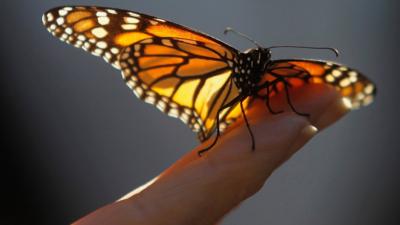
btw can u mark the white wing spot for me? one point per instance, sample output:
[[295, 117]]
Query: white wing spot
[[50, 17], [161, 105], [62, 12], [114, 50], [353, 73], [107, 56], [99, 32], [60, 21], [173, 112], [131, 84], [101, 44], [86, 45], [150, 100], [134, 14], [103, 20], [153, 22], [336, 73], [137, 48], [81, 37], [347, 102], [184, 117], [78, 44], [360, 96], [369, 89], [64, 36], [129, 26], [131, 20], [353, 79], [68, 30], [330, 78], [368, 100], [44, 19], [196, 126], [97, 52], [112, 11], [160, 20], [101, 14], [344, 82]]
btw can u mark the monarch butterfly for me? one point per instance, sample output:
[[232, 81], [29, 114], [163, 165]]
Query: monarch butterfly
[[189, 75]]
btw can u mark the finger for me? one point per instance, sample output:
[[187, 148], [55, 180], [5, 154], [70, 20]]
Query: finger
[[202, 190], [322, 102], [277, 138]]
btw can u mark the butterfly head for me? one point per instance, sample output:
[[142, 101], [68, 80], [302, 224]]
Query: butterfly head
[[257, 59]]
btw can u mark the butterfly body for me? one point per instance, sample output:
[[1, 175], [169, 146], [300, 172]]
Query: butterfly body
[[250, 68], [189, 75]]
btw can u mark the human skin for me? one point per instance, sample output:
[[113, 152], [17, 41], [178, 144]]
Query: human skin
[[201, 190]]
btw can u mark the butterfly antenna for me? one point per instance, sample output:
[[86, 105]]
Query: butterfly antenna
[[230, 29], [334, 50]]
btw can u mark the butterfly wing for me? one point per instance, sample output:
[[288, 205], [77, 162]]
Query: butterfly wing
[[187, 79], [106, 31], [185, 73], [353, 85]]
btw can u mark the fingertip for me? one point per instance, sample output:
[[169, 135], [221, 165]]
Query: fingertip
[[335, 110], [322, 102]]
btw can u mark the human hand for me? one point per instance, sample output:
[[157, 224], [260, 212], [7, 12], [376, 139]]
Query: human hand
[[201, 190]]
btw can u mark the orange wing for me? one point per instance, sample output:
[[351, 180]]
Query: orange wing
[[184, 78], [354, 86], [105, 31], [185, 73]]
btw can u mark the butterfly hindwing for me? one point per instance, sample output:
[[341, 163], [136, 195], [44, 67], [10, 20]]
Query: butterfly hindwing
[[353, 85], [184, 78], [185, 73]]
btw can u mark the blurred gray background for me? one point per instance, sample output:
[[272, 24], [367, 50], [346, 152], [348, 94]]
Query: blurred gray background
[[76, 138]]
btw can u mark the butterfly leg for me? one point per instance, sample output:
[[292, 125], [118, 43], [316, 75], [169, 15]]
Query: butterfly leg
[[253, 142], [267, 86], [267, 102], [230, 104], [200, 152], [290, 102]]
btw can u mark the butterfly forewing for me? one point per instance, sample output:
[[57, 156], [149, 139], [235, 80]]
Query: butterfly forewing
[[105, 31], [186, 75]]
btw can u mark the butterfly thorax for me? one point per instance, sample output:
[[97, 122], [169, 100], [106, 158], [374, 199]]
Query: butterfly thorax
[[250, 68]]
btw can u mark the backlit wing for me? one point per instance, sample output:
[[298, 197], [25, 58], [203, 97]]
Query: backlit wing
[[187, 79], [354, 86], [185, 73], [106, 31]]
